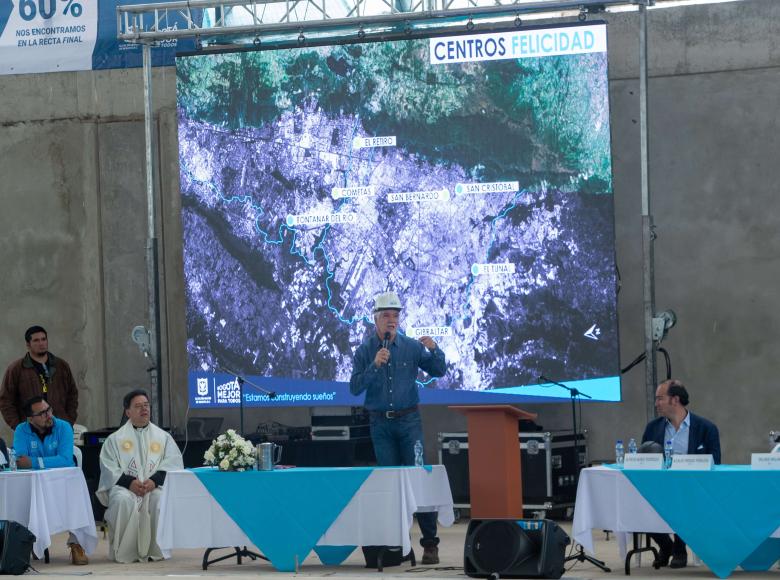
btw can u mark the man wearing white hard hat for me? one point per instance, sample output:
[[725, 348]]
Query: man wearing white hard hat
[[385, 367]]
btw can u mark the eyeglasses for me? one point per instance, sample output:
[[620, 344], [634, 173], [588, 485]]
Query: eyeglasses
[[142, 406], [43, 413]]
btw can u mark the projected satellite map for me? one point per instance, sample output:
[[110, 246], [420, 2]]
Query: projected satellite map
[[314, 178]]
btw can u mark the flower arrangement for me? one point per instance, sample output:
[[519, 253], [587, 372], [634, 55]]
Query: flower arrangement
[[230, 452]]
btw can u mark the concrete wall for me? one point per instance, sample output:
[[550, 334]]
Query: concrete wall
[[73, 227]]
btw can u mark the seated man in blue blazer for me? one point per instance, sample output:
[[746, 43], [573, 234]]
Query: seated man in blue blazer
[[689, 434]]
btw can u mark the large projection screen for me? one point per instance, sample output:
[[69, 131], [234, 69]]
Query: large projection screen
[[470, 173]]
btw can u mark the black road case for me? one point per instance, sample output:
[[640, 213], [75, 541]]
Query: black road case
[[548, 465]]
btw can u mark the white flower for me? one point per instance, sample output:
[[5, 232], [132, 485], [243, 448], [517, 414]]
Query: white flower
[[231, 451]]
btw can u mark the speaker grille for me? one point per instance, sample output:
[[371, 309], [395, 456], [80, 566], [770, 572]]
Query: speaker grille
[[498, 546]]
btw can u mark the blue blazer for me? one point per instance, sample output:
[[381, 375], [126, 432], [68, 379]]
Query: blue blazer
[[703, 436]]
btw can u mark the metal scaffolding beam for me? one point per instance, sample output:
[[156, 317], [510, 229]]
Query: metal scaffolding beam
[[149, 23]]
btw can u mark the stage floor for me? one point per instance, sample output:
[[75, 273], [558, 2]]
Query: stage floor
[[187, 563]]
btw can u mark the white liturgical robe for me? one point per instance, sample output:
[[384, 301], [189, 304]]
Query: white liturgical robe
[[132, 520]]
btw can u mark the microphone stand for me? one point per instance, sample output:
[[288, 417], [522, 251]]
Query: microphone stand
[[580, 556], [241, 380], [153, 378], [243, 552], [573, 393]]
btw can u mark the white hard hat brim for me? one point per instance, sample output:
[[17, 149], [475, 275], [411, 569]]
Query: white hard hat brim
[[398, 308]]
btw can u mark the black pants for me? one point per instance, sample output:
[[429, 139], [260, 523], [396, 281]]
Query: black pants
[[675, 548]]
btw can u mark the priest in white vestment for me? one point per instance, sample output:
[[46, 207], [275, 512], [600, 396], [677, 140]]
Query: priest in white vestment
[[133, 463]]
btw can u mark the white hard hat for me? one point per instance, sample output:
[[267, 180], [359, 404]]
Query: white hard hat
[[387, 301]]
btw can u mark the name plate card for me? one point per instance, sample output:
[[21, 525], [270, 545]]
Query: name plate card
[[693, 462], [643, 461], [765, 461]]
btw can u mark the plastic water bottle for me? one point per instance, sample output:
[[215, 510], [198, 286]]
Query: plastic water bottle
[[668, 452], [418, 454], [12, 459], [632, 446], [620, 452]]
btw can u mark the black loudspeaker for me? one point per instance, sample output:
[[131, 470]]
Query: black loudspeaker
[[514, 549], [16, 544]]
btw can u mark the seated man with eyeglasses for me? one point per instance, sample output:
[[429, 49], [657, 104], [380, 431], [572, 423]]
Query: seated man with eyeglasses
[[134, 461], [43, 442]]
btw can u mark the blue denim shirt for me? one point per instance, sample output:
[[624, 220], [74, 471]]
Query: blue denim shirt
[[56, 449], [679, 438], [393, 386]]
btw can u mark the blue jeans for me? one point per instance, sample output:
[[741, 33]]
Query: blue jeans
[[394, 441]]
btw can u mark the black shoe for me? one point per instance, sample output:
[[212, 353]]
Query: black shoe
[[680, 561], [662, 560]]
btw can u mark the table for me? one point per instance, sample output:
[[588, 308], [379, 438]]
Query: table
[[729, 516], [304, 453], [47, 502], [288, 512]]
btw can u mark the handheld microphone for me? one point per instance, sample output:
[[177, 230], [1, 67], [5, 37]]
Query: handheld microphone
[[386, 341]]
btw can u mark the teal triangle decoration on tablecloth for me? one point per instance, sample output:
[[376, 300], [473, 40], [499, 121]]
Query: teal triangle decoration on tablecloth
[[333, 555], [724, 515], [762, 559], [284, 512]]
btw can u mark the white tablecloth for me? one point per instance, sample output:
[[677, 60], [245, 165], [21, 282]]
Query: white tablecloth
[[48, 502], [380, 513], [607, 500]]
